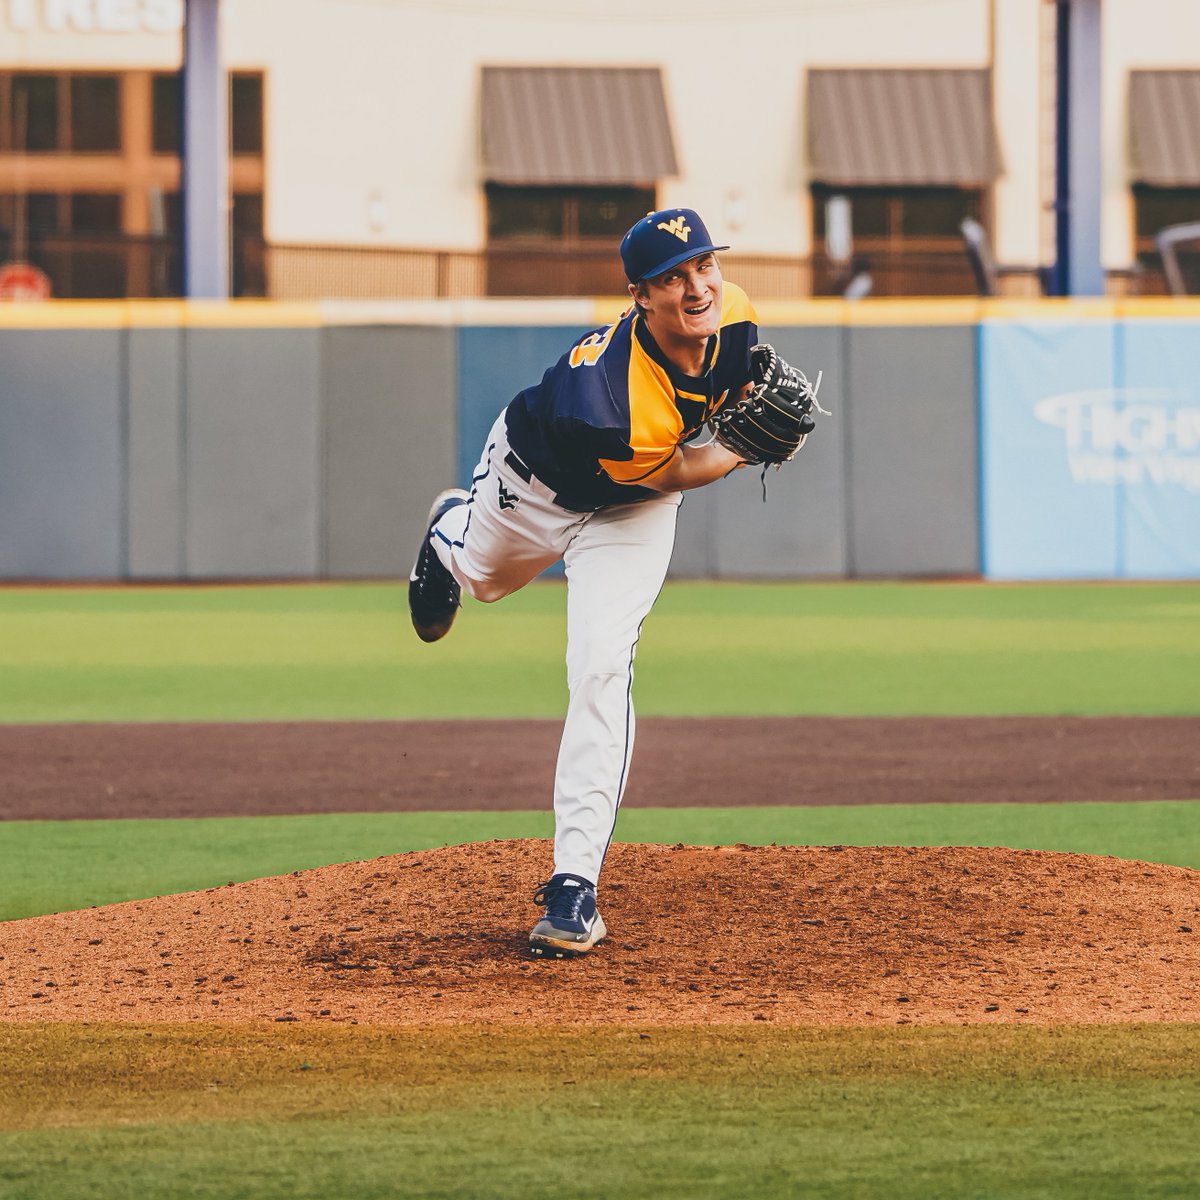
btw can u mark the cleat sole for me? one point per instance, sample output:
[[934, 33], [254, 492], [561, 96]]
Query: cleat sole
[[541, 946], [541, 950]]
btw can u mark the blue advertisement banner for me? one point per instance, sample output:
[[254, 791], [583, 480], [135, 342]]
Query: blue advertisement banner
[[1089, 449], [1155, 424], [1041, 516]]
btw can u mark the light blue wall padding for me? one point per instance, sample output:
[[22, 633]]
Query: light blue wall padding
[[1044, 516], [1154, 422], [494, 364]]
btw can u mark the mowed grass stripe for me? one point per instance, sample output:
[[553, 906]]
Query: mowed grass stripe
[[346, 651], [109, 1112], [54, 866]]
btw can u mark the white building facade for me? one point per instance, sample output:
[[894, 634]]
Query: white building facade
[[362, 126]]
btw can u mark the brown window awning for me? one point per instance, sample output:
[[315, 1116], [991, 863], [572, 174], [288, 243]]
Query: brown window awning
[[575, 125], [1164, 127], [901, 128]]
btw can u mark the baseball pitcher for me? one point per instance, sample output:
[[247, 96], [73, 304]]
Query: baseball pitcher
[[589, 466]]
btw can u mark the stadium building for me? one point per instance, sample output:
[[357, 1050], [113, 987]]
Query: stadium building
[[427, 148]]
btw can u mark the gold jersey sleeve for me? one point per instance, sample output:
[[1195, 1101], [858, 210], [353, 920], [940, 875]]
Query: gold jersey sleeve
[[657, 402]]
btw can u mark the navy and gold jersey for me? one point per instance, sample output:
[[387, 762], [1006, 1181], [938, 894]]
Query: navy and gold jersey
[[612, 410]]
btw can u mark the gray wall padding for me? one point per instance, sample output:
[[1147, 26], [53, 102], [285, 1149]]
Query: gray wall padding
[[61, 454], [154, 499], [695, 538], [252, 447], [912, 451], [307, 452], [727, 530], [390, 443], [800, 529]]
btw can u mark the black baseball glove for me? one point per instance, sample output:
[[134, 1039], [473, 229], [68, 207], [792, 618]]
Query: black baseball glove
[[771, 422]]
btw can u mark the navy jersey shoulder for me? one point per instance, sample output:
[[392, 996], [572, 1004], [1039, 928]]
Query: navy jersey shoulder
[[612, 409]]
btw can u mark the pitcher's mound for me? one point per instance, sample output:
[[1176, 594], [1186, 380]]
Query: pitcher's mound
[[792, 935]]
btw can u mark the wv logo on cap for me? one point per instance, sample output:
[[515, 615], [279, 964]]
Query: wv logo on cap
[[677, 226]]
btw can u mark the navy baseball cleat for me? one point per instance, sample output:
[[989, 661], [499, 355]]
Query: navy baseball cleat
[[571, 924], [433, 593]]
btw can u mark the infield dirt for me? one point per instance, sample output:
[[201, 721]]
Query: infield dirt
[[208, 770], [784, 935]]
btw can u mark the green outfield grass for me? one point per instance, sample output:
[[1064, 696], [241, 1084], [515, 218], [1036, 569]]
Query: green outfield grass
[[123, 1113], [346, 651], [53, 866], [99, 1112]]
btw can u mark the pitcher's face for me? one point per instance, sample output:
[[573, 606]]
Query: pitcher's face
[[684, 303]]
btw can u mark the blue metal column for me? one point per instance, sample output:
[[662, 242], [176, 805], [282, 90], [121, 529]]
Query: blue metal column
[[205, 155], [1077, 271]]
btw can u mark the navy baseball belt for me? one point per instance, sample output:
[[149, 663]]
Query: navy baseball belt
[[526, 473], [520, 469]]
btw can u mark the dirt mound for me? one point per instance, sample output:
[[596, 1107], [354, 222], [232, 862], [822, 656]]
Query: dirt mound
[[793, 935]]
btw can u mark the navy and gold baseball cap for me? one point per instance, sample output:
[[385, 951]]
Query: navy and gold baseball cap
[[662, 240]]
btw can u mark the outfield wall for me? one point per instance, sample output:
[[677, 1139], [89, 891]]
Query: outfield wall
[[173, 440]]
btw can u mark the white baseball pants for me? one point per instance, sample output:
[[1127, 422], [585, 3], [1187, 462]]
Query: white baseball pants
[[616, 560]]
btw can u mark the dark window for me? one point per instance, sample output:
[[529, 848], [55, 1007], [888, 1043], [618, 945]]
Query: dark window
[[906, 241], [608, 212], [63, 113], [246, 114], [246, 243], [41, 212], [559, 241], [247, 217], [869, 214], [95, 212], [564, 214], [515, 212], [95, 113], [166, 107], [900, 214], [247, 274], [936, 212], [33, 113], [37, 211], [1156, 208], [44, 212], [172, 210]]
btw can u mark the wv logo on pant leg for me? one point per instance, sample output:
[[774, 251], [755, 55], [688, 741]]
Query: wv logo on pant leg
[[508, 500]]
